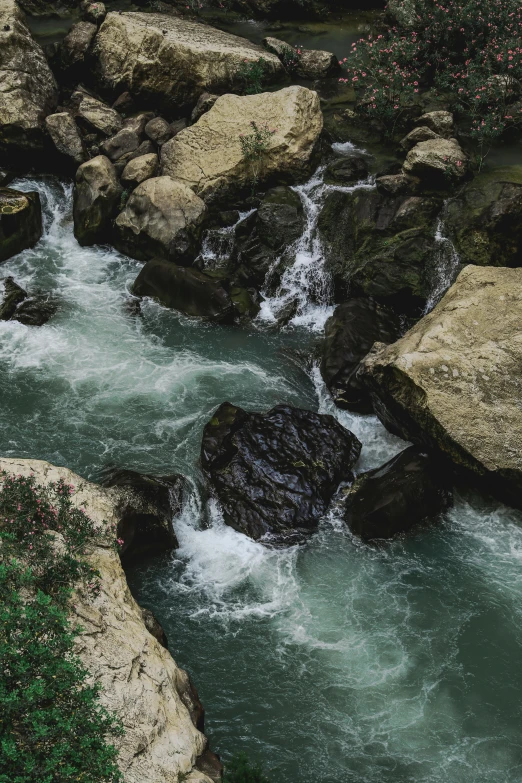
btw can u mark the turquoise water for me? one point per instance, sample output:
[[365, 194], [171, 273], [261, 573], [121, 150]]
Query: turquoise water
[[333, 662]]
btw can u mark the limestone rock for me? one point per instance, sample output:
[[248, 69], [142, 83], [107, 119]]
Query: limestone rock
[[20, 221], [436, 161], [66, 137], [93, 12], [145, 148], [422, 133], [411, 488], [275, 473], [162, 219], [208, 156], [120, 144], [139, 679], [440, 122], [96, 196], [453, 382], [205, 102], [28, 91], [308, 63], [165, 58], [158, 130], [95, 115], [140, 169], [75, 47]]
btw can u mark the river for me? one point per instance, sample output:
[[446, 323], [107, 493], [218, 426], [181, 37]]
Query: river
[[332, 662]]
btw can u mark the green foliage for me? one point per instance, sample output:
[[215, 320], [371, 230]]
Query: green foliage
[[468, 51], [290, 57], [252, 74], [124, 197], [52, 727], [254, 147], [240, 770]]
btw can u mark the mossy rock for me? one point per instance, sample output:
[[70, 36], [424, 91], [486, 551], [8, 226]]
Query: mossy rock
[[20, 221]]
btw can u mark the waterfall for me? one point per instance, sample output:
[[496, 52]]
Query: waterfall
[[445, 264]]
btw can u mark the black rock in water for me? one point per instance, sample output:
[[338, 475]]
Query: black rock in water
[[18, 305], [275, 473], [411, 488], [349, 334]]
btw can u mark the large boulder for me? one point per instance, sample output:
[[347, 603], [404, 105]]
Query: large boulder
[[162, 219], [438, 162], [349, 335], [20, 221], [170, 60], [96, 197], [453, 382], [485, 221], [380, 245], [275, 473], [208, 156], [185, 289], [28, 91], [410, 488]]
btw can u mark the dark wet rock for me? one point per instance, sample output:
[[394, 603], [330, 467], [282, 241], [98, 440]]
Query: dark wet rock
[[205, 102], [96, 198], [162, 219], [263, 238], [190, 698], [346, 171], [120, 144], [349, 334], [485, 221], [177, 126], [185, 289], [158, 130], [124, 104], [6, 177], [18, 305], [210, 765], [154, 627], [13, 296], [146, 506], [275, 473], [380, 246], [411, 488], [66, 137], [398, 185], [20, 221], [75, 49]]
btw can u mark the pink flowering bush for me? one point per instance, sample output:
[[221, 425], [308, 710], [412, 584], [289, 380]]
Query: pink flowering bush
[[470, 51]]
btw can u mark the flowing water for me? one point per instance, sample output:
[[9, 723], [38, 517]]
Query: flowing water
[[331, 662]]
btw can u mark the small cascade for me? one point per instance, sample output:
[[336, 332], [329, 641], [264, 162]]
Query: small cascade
[[445, 265], [305, 290], [218, 244]]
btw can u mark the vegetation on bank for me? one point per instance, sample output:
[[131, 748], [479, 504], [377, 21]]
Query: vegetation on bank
[[467, 51], [240, 770], [52, 727]]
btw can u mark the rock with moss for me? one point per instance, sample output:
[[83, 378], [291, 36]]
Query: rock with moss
[[453, 383], [485, 221], [97, 195], [20, 221]]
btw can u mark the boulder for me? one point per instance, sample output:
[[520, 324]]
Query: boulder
[[422, 133], [275, 473], [75, 48], [162, 219], [94, 115], [440, 122], [28, 91], [437, 162], [96, 197], [185, 289], [120, 144], [13, 296], [93, 12], [145, 507], [380, 246], [145, 148], [205, 102], [346, 170], [453, 381], [306, 63], [140, 169], [158, 130], [409, 489], [20, 221], [138, 122], [208, 156], [349, 335], [398, 184], [66, 137], [170, 60], [485, 221], [17, 305]]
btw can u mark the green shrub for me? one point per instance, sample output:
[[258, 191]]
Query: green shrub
[[52, 727], [252, 74], [240, 770], [254, 147]]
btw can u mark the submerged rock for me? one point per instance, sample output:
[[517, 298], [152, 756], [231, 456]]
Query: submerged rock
[[187, 290], [453, 382], [20, 221], [162, 219], [349, 334], [96, 197], [275, 473], [208, 156], [145, 507], [28, 91], [410, 488], [171, 60]]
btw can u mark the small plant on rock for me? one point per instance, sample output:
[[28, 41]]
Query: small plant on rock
[[240, 770], [254, 147], [252, 74]]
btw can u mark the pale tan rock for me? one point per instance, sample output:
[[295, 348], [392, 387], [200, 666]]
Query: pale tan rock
[[96, 115], [66, 138], [422, 133], [95, 200], [140, 169], [441, 122], [172, 58], [208, 156], [140, 681], [436, 159], [453, 381], [28, 91]]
